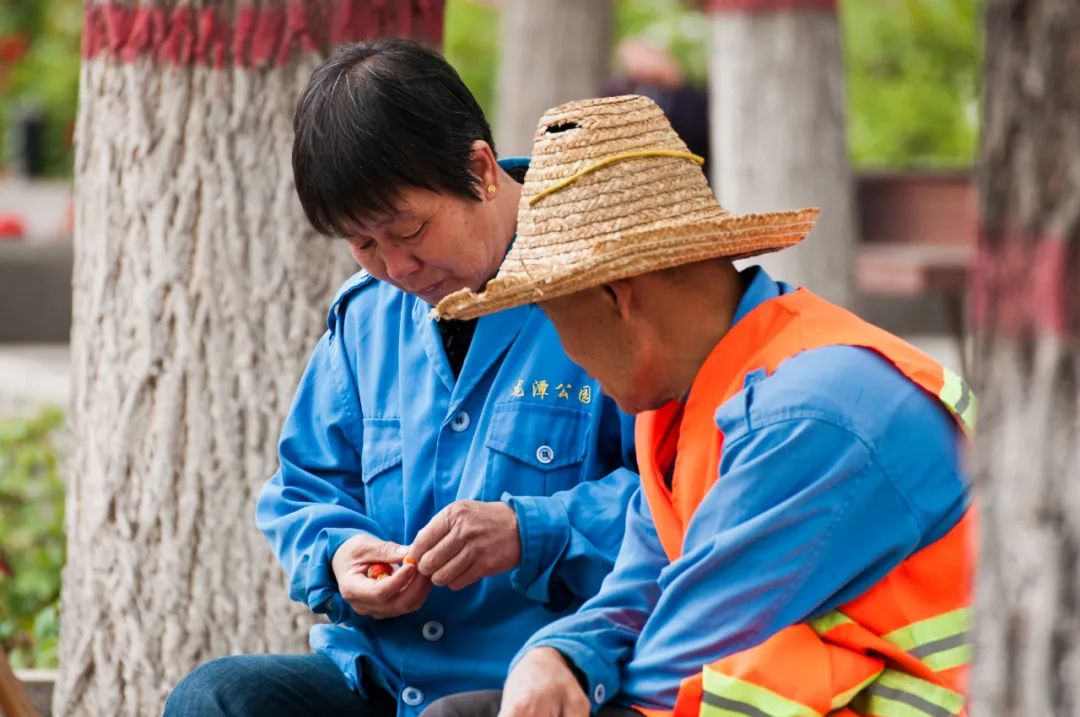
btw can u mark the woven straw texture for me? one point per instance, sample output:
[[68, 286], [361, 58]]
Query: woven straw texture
[[626, 217]]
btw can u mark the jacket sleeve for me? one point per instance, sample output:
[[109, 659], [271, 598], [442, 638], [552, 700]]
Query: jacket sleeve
[[599, 638], [801, 518], [314, 502], [569, 540]]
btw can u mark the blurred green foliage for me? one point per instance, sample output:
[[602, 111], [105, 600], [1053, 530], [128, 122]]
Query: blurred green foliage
[[32, 542], [670, 25], [39, 69], [912, 69], [471, 44], [913, 77]]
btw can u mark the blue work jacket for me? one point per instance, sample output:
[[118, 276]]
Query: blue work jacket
[[381, 437]]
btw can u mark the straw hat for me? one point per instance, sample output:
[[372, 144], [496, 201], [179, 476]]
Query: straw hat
[[612, 192]]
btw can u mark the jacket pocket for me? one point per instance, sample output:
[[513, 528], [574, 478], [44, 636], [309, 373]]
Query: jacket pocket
[[535, 449], [380, 464]]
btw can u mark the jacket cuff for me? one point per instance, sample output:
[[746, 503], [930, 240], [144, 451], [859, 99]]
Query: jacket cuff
[[322, 591], [544, 530], [602, 677]]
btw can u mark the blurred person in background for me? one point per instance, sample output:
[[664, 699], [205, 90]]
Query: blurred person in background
[[647, 70]]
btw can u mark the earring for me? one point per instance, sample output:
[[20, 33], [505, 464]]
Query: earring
[[492, 189]]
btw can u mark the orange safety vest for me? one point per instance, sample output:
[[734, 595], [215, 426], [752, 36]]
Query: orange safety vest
[[899, 650]]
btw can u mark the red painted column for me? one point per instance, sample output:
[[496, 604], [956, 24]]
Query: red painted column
[[1024, 285], [254, 36]]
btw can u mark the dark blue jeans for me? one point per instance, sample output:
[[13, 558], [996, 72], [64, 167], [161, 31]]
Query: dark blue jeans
[[274, 686]]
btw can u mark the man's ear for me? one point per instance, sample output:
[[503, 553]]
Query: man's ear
[[486, 169], [621, 293]]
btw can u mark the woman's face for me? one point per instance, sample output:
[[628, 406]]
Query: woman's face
[[431, 243]]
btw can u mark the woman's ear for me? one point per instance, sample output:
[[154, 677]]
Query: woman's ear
[[486, 169]]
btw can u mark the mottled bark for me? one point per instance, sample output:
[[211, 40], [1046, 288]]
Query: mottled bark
[[1026, 318], [552, 52], [777, 107], [199, 290]]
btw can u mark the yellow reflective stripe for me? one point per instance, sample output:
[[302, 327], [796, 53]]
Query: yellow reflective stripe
[[896, 694], [949, 659], [725, 696], [842, 699], [708, 710], [942, 642], [829, 621], [958, 396]]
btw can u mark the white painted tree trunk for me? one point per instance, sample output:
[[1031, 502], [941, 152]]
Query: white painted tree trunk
[[1026, 320], [199, 291], [552, 52], [777, 114]]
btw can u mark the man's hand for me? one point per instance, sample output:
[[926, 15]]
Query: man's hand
[[467, 541], [403, 592], [542, 685]]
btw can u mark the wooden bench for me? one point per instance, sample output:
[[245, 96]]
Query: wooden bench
[[918, 232], [918, 237]]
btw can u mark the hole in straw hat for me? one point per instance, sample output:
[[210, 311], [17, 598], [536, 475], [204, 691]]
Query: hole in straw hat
[[561, 127]]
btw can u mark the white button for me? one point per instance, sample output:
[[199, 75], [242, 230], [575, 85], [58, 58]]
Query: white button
[[432, 631], [599, 694], [412, 696], [459, 422], [545, 455]]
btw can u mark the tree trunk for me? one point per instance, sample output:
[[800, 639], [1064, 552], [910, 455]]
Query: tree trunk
[[552, 52], [777, 106], [199, 291], [1026, 319]]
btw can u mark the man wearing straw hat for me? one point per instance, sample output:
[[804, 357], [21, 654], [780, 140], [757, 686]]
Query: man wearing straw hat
[[802, 540]]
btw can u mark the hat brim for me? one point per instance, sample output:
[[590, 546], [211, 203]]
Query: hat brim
[[633, 254]]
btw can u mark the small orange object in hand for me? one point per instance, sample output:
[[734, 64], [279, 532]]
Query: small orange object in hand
[[378, 571], [409, 560]]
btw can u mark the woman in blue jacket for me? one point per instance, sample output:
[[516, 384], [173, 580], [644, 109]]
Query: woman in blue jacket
[[476, 449]]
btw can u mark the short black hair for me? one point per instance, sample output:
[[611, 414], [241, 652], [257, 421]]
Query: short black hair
[[377, 118]]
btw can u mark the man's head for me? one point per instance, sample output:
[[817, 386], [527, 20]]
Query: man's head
[[622, 243], [393, 153], [643, 338]]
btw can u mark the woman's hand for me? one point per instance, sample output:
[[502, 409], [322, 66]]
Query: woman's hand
[[467, 541], [402, 592]]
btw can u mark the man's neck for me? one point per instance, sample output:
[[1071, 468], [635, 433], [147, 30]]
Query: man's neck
[[701, 311]]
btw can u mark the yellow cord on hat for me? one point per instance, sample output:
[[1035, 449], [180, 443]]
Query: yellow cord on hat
[[563, 183]]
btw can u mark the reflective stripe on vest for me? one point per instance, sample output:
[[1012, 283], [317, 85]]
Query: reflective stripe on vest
[[895, 694], [889, 693], [958, 397], [942, 642], [725, 696]]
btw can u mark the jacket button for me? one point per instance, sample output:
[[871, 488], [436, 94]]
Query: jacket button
[[599, 694], [545, 455], [432, 631], [412, 696], [459, 422]]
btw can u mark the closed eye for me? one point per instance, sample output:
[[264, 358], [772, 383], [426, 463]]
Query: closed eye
[[416, 233], [363, 244]]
